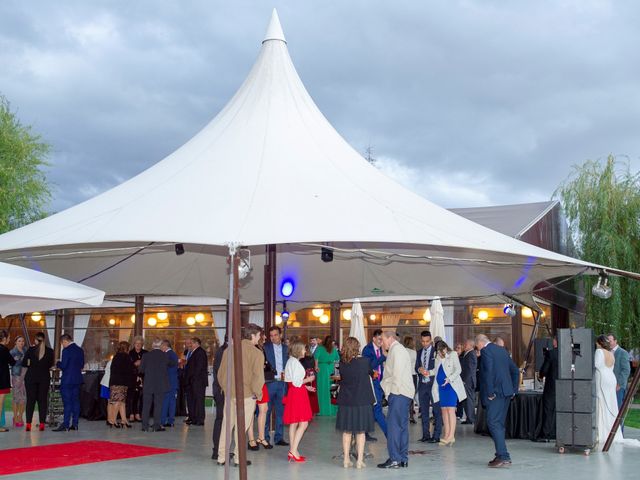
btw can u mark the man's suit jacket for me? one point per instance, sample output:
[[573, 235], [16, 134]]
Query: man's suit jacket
[[549, 371], [498, 374], [197, 368], [217, 360], [71, 364], [622, 367], [155, 367], [271, 355], [431, 363], [469, 363], [369, 352]]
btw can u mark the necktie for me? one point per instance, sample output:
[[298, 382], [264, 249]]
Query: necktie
[[379, 367]]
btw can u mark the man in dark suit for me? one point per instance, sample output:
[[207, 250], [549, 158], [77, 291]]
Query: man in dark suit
[[469, 364], [373, 351], [71, 364], [168, 416], [549, 372], [425, 368], [197, 379], [218, 399], [499, 379], [155, 366], [277, 355]]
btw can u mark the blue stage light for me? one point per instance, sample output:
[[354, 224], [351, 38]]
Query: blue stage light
[[287, 288]]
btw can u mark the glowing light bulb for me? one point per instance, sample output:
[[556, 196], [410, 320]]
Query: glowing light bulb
[[426, 316], [346, 314], [278, 319], [324, 319], [112, 321], [317, 312], [191, 321], [372, 317], [152, 322], [526, 312], [36, 316], [162, 316], [483, 315], [199, 317]]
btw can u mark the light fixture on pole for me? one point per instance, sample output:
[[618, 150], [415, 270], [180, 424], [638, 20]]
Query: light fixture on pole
[[244, 265], [509, 310], [285, 312], [602, 288]]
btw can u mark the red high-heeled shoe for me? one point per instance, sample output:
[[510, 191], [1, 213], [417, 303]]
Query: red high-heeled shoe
[[292, 458], [28, 429], [41, 427]]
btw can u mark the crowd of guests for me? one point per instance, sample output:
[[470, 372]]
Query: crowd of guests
[[291, 382]]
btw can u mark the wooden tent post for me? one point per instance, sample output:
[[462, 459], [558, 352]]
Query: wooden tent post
[[631, 391]]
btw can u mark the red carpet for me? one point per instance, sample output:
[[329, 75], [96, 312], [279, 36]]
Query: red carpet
[[29, 459]]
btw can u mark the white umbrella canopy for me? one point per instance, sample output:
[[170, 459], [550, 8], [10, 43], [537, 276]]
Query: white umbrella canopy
[[357, 324], [269, 169], [23, 290], [437, 319]]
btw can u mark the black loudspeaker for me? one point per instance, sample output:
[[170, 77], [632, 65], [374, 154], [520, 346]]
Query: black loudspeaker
[[584, 392], [578, 429], [575, 347], [326, 254], [540, 344]]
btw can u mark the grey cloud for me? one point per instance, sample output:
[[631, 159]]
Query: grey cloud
[[499, 98]]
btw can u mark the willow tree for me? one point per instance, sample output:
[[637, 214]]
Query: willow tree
[[601, 200], [24, 191]]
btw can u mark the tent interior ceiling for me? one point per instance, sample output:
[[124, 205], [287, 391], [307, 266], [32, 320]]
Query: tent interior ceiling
[[282, 176]]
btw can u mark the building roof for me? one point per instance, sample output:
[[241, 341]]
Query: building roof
[[511, 220]]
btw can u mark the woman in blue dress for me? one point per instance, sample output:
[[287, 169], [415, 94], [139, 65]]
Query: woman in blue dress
[[448, 389]]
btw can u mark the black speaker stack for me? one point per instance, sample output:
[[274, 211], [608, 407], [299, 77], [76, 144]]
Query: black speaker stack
[[575, 390]]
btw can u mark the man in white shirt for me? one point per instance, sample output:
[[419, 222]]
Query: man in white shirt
[[399, 388]]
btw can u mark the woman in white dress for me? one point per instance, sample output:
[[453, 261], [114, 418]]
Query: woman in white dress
[[606, 402]]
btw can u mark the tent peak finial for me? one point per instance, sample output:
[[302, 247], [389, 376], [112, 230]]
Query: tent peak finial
[[274, 31]]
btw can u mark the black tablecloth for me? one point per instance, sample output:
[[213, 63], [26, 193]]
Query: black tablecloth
[[524, 419], [92, 407]]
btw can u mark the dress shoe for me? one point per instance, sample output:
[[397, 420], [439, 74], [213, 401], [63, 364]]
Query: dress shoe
[[466, 422], [412, 420], [159, 429], [498, 463], [404, 464], [73, 427], [198, 424], [433, 440], [237, 464], [41, 427], [424, 439], [282, 443], [28, 428], [389, 464], [370, 438], [188, 421], [214, 455], [168, 425], [254, 447], [61, 428]]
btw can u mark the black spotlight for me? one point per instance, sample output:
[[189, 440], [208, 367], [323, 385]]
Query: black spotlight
[[179, 248], [326, 254]]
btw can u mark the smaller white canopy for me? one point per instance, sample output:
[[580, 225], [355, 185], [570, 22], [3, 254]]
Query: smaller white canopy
[[437, 320], [357, 324], [23, 290]]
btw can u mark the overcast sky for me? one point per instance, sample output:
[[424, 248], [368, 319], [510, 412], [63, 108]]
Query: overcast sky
[[468, 103]]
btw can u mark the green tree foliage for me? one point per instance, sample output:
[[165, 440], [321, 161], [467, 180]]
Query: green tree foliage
[[601, 200], [24, 191]]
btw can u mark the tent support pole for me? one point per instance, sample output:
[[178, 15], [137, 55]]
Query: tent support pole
[[57, 332], [25, 329], [139, 316], [335, 322], [269, 287], [236, 345]]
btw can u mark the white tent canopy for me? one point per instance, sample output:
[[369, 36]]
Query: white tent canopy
[[23, 290], [270, 169]]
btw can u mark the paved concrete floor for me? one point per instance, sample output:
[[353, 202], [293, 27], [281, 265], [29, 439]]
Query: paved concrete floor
[[467, 459]]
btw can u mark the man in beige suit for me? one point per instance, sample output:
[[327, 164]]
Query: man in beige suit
[[253, 380], [399, 388]]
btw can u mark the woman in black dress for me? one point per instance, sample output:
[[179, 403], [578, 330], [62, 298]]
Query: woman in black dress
[[122, 378], [38, 361], [355, 400], [6, 362]]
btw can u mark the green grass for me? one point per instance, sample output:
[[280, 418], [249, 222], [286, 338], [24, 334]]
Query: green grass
[[633, 418]]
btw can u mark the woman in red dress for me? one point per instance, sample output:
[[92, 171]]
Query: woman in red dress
[[297, 410]]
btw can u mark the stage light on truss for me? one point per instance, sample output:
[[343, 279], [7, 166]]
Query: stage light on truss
[[602, 288], [509, 310]]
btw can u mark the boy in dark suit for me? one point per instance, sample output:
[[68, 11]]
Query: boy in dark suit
[[71, 364], [499, 380], [425, 368]]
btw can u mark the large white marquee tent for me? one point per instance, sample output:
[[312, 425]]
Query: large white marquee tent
[[270, 169]]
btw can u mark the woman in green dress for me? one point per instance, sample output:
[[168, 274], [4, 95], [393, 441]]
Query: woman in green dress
[[326, 356]]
